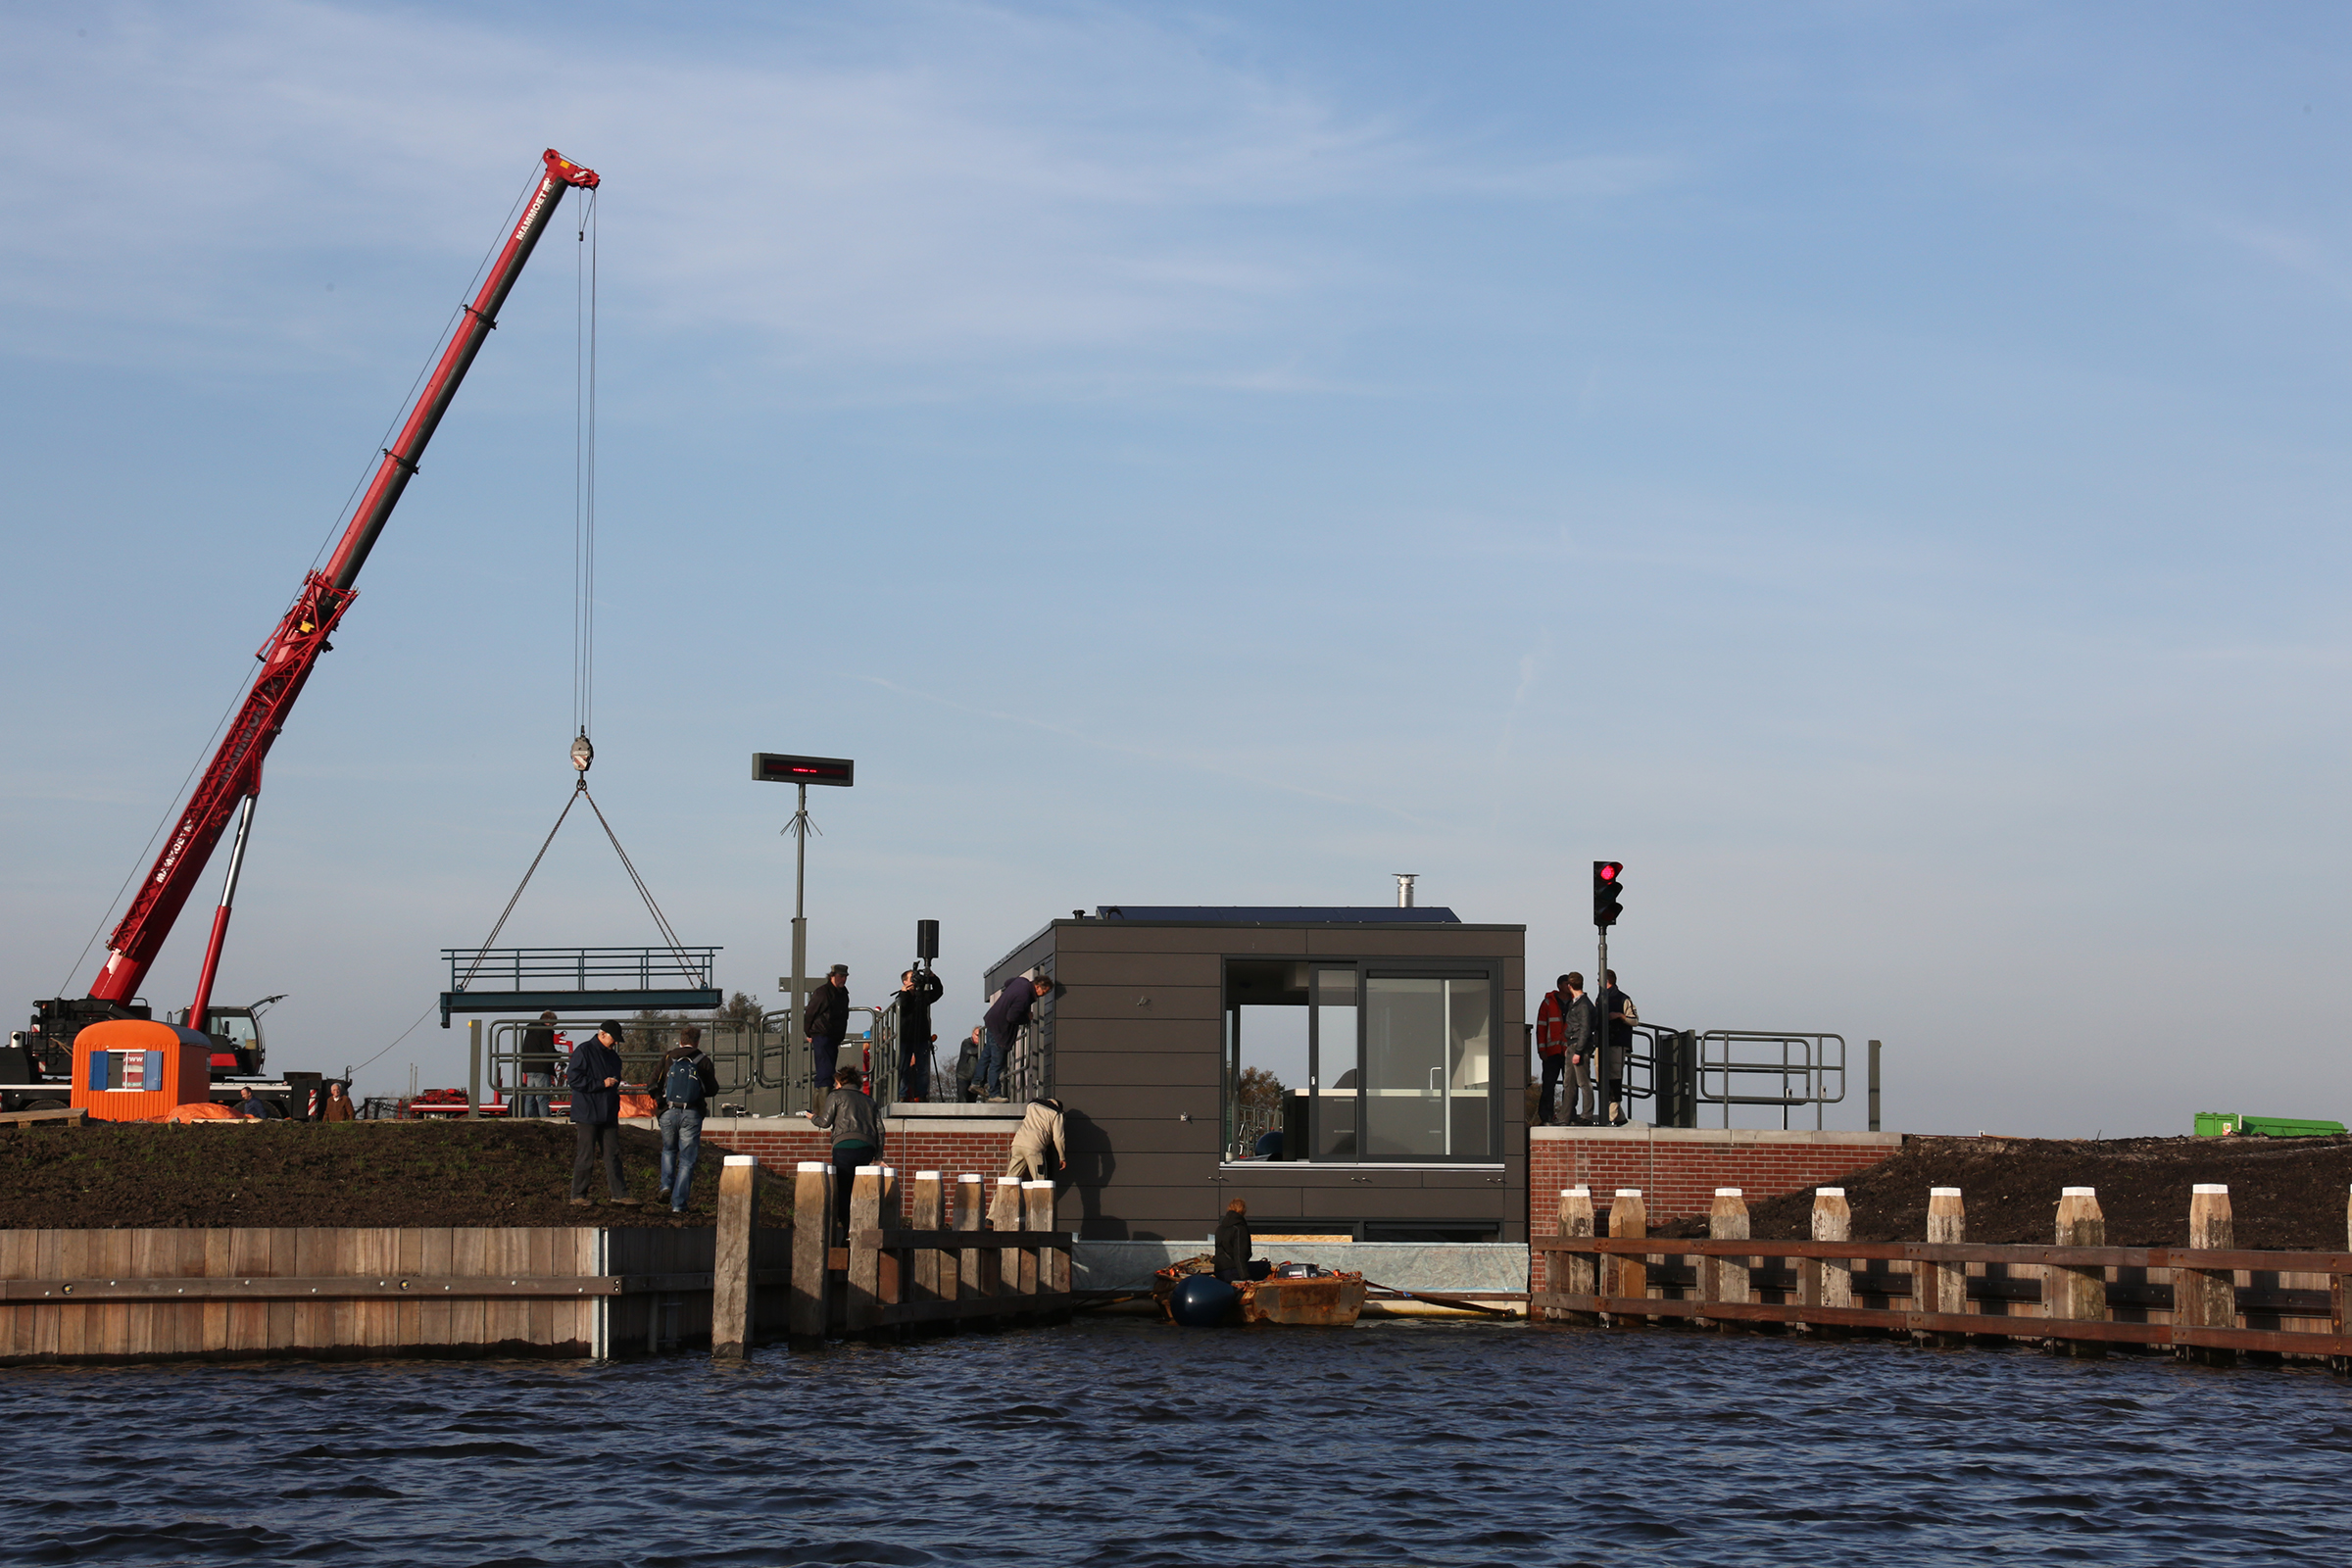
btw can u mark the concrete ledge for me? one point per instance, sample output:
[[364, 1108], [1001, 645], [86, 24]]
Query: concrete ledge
[[1720, 1137], [1408, 1265], [997, 1123]]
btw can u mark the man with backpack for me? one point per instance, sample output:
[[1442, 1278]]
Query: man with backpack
[[683, 1086]]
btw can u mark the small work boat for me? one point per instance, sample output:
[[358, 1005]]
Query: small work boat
[[1324, 1299]]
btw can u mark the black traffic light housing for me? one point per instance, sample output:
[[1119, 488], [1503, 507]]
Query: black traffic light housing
[[1608, 886]]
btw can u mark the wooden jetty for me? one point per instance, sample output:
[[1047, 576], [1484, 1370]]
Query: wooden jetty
[[2208, 1302], [338, 1292]]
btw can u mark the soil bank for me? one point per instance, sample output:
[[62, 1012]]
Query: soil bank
[[117, 1175], [2286, 1194]]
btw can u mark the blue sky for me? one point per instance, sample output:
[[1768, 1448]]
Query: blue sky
[[1875, 470]]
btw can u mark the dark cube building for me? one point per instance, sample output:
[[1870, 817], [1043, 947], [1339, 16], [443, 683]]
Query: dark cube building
[[1352, 1072]]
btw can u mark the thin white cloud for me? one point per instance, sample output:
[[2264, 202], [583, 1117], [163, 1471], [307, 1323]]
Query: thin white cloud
[[945, 180]]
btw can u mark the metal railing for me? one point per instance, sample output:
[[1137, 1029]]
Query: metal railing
[[1684, 1070], [573, 968], [1809, 1069]]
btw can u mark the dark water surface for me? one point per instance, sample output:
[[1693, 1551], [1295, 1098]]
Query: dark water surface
[[1129, 1443]]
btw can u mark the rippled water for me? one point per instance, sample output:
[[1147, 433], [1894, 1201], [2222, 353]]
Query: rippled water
[[1125, 1441]]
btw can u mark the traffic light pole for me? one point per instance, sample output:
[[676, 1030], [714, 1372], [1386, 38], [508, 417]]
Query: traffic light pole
[[1604, 1059]]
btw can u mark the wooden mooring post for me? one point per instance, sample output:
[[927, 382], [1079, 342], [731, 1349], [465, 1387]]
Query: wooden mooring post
[[1726, 1279], [930, 1214], [1629, 1218], [969, 1215], [2207, 1298], [1828, 1281], [1943, 1287], [812, 1219], [732, 1288], [2078, 1293], [1576, 1224]]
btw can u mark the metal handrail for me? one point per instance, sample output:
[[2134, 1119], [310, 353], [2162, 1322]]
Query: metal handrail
[[640, 967], [1806, 1060]]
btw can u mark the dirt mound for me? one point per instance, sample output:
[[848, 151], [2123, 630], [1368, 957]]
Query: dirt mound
[[2286, 1194], [117, 1175]]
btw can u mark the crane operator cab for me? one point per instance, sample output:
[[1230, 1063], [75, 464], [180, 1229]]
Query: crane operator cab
[[237, 1048]]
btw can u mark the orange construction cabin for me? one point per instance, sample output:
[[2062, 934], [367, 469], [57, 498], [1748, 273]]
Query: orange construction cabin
[[136, 1070]]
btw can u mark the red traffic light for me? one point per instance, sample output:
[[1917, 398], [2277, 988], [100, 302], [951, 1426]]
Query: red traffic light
[[1608, 888]]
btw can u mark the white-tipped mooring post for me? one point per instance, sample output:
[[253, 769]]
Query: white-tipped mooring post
[[999, 1276], [1827, 1282], [1037, 1262], [2078, 1294], [865, 1313], [731, 1288], [2206, 1298], [1629, 1216], [1726, 1279], [930, 1214], [968, 1188], [811, 1223], [1577, 1274], [1942, 1287]]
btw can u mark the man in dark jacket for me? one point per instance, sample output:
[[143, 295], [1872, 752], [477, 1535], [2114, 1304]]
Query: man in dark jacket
[[683, 1085], [538, 1063], [918, 989], [851, 1115], [1005, 1016], [1565, 1040], [594, 1079], [1235, 1244], [1618, 1017], [825, 1020]]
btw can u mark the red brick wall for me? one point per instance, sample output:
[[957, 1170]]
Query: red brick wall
[[951, 1146], [1679, 1169]]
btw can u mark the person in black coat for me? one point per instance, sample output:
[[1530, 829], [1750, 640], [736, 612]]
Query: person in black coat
[[918, 989], [825, 1020], [1233, 1244], [594, 1079]]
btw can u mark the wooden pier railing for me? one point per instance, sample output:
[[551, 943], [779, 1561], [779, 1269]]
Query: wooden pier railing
[[2207, 1301], [954, 1263]]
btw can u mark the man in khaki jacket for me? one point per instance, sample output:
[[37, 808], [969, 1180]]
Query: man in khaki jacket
[[1041, 1129]]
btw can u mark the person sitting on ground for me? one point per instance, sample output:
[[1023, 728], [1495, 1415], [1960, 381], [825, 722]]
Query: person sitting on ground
[[1041, 1129], [682, 1085], [594, 1079], [253, 1104], [856, 1122], [338, 1105], [1233, 1244]]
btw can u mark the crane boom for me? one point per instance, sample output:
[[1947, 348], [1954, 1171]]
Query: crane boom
[[293, 648]]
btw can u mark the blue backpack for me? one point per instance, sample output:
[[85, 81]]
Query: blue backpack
[[683, 1086]]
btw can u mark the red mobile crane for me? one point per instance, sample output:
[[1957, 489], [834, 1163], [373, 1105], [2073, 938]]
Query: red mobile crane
[[233, 779]]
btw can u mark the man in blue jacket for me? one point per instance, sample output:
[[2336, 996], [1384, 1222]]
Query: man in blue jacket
[[594, 1079], [1005, 1016]]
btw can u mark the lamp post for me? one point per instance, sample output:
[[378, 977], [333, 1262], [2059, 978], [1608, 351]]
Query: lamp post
[[775, 768]]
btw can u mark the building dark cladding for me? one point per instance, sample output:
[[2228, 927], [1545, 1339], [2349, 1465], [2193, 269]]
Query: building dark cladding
[[1397, 1037]]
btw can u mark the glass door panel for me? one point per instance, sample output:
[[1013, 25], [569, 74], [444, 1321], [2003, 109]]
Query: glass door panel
[[1335, 1072], [1404, 1076], [1469, 1068]]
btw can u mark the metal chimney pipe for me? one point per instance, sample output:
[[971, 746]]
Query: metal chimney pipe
[[1405, 888]]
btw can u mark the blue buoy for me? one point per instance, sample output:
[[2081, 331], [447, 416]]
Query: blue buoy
[[1202, 1302]]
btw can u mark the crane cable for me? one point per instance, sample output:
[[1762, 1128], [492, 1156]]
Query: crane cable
[[583, 609]]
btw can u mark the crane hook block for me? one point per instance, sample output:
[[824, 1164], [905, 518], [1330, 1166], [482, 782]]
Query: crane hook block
[[582, 754]]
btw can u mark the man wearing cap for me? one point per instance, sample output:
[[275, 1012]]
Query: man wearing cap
[[594, 1079], [825, 1021]]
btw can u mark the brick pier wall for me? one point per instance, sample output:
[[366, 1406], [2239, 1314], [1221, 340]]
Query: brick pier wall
[[938, 1139], [1679, 1168]]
